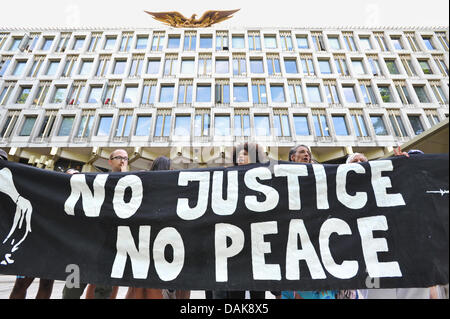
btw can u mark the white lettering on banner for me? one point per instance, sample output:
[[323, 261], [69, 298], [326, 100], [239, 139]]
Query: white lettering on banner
[[126, 210], [222, 251], [380, 184], [292, 172], [271, 194], [168, 270], [92, 202], [371, 246], [321, 186], [219, 205], [261, 270], [346, 270], [183, 210], [357, 201]]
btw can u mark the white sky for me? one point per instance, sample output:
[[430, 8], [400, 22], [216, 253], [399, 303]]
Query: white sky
[[253, 13]]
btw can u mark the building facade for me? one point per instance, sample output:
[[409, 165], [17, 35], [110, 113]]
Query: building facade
[[68, 97]]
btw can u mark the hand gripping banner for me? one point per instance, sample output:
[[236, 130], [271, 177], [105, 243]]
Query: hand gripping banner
[[274, 226]]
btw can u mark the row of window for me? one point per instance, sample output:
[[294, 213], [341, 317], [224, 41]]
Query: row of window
[[200, 125], [239, 65], [185, 92], [223, 41]]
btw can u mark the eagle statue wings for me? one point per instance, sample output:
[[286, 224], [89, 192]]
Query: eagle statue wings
[[177, 20]]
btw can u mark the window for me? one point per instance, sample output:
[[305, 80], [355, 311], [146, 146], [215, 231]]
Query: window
[[421, 93], [5, 92], [188, 66], [222, 93], [239, 65], [334, 42], [52, 68], [341, 65], [110, 43], [15, 44], [125, 44], [47, 44], [277, 93], [349, 41], [291, 66], [439, 35], [95, 40], [256, 66], [367, 93], [23, 95], [262, 125], [307, 65], [438, 92], [222, 66], [174, 42], [317, 39], [302, 42], [143, 125], [320, 124], [86, 66], [254, 41], [69, 66], [130, 95], [182, 125], [301, 125], [407, 64], [397, 123], [27, 126], [340, 125], [314, 95], [141, 42], [273, 65], [240, 93], [358, 67], [281, 124], [190, 41], [410, 36], [296, 93], [428, 42], [85, 128], [349, 93], [426, 69], [270, 42], [439, 61], [378, 125], [204, 65], [359, 124], [379, 37], [123, 128], [386, 94], [202, 124], [4, 63], [66, 125], [238, 42], [158, 41], [95, 95], [153, 66], [185, 93], [286, 41], [203, 93], [41, 93], [78, 43], [112, 93], [403, 93], [259, 92], [104, 125], [222, 125], [76, 93], [241, 123], [365, 43], [47, 125], [397, 43], [102, 67], [136, 66], [432, 116], [375, 66], [205, 41], [162, 127], [166, 94], [324, 66], [36, 67], [332, 94], [148, 93], [3, 37], [416, 124], [59, 94], [9, 125], [170, 65], [392, 67], [19, 68], [119, 66]]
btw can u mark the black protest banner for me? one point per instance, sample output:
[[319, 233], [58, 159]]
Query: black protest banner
[[277, 226]]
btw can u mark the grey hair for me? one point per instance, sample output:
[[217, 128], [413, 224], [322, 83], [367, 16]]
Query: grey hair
[[352, 156]]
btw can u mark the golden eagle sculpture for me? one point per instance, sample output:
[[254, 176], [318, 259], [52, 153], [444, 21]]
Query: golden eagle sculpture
[[177, 20]]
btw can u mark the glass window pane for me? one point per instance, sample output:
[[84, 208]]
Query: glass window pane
[[205, 42], [385, 93], [334, 43], [270, 42], [324, 66], [166, 94], [222, 66], [301, 125], [240, 93], [238, 42], [302, 42], [378, 125], [95, 95], [358, 67], [130, 94], [141, 42], [340, 126], [314, 94], [421, 94], [174, 42], [277, 92], [256, 66], [104, 126], [204, 93], [20, 68], [416, 124], [222, 125], [119, 67], [66, 126], [59, 95], [153, 66], [349, 93], [27, 126], [365, 43], [262, 126], [182, 125], [290, 66]]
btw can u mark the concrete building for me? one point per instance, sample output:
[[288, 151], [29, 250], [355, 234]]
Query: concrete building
[[68, 97]]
